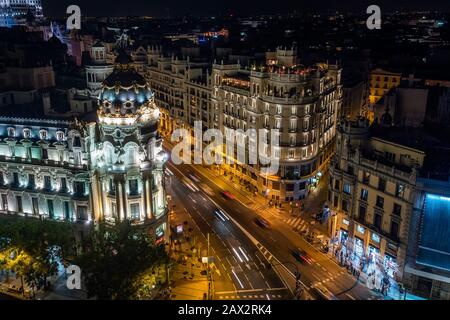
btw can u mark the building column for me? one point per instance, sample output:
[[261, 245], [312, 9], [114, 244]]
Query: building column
[[124, 200], [150, 195], [144, 192], [118, 201]]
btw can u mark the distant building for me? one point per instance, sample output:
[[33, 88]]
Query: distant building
[[381, 81], [14, 12]]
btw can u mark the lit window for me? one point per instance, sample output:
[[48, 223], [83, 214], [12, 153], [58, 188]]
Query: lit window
[[347, 188]]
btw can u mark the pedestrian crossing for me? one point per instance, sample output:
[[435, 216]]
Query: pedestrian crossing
[[267, 296], [298, 224]]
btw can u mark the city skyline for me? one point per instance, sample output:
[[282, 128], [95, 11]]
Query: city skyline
[[164, 9]]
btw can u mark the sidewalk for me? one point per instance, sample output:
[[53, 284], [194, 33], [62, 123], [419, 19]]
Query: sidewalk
[[188, 279]]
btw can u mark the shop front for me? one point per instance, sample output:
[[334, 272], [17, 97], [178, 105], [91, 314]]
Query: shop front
[[390, 265], [359, 247]]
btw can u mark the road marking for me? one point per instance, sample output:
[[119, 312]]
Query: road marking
[[248, 290], [239, 280]]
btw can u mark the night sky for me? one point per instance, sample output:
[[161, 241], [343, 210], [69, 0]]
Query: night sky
[[163, 8]]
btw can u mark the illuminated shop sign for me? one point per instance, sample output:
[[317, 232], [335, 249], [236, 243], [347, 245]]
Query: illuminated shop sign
[[345, 221], [360, 229], [375, 237]]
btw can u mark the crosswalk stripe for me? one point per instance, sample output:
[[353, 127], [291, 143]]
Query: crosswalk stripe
[[289, 221], [296, 223]]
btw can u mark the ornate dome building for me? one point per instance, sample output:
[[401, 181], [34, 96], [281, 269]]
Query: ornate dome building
[[129, 161], [107, 165]]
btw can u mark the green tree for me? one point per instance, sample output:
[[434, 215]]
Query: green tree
[[116, 258], [31, 248]]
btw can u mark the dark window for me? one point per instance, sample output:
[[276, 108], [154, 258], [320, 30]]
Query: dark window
[[112, 186], [397, 209], [5, 202], [381, 184], [362, 214], [35, 205], [51, 211], [345, 205], [79, 188], [336, 184], [276, 186], [47, 183], [350, 170], [63, 184], [44, 154], [16, 179], [31, 181], [133, 187], [394, 230], [380, 202], [377, 221], [19, 203], [364, 194], [336, 199], [76, 141]]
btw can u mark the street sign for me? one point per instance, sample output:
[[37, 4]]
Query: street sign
[[179, 228]]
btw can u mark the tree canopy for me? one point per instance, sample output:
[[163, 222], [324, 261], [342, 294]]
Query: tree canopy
[[116, 259]]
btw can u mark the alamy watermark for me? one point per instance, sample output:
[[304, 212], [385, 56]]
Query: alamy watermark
[[247, 147]]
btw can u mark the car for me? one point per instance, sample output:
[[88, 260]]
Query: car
[[189, 184], [194, 177], [323, 293], [301, 256], [263, 223], [206, 189], [228, 195]]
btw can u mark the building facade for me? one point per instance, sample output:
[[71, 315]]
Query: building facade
[[107, 166], [379, 196], [15, 11], [299, 103]]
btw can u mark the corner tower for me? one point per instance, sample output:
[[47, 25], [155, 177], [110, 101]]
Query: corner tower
[[129, 160]]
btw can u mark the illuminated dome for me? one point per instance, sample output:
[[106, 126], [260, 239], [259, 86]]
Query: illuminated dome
[[125, 95]]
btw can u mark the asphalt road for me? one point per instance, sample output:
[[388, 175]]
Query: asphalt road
[[242, 270], [280, 241]]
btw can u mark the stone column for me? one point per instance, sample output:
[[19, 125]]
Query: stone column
[[124, 200], [150, 195], [118, 200], [144, 195]]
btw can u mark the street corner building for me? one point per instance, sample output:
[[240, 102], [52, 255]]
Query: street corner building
[[105, 165], [389, 191]]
